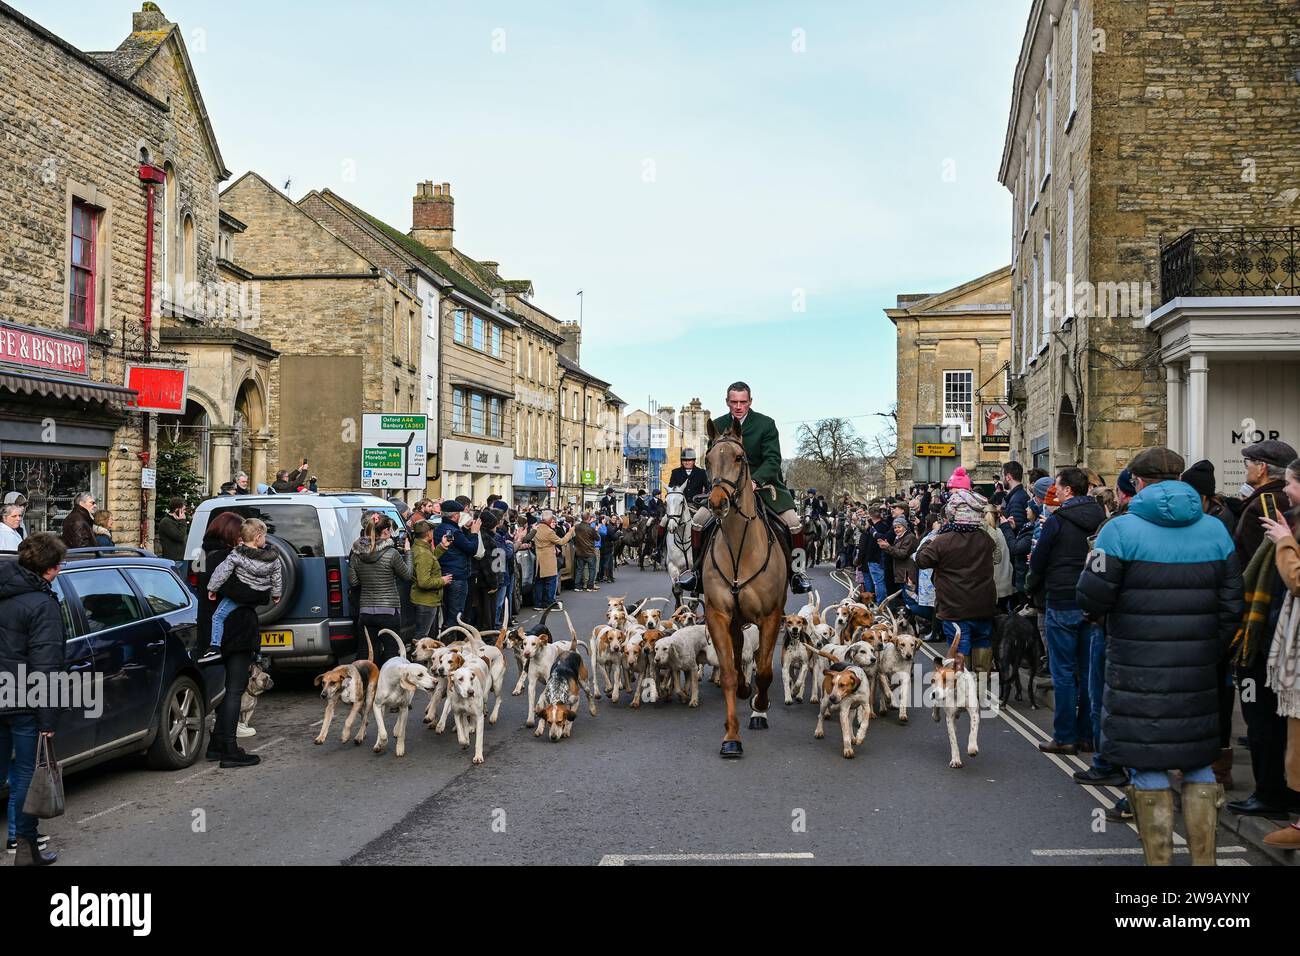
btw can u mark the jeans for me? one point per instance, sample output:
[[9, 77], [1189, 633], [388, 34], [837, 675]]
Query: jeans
[[877, 579], [544, 591], [974, 633], [426, 619], [607, 564], [1096, 682], [504, 607], [219, 619], [1067, 657], [1159, 779], [237, 666], [454, 596], [584, 574], [18, 765], [919, 610]]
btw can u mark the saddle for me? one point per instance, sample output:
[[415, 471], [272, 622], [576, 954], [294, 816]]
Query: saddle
[[702, 538]]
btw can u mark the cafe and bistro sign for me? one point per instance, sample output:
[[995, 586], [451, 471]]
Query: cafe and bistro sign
[[38, 350]]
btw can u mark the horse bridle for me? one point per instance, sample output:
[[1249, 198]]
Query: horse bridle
[[720, 482], [736, 584]]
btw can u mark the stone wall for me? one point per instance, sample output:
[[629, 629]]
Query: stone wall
[[70, 130]]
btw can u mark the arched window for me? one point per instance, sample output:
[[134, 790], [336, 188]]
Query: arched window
[[190, 252], [170, 265]]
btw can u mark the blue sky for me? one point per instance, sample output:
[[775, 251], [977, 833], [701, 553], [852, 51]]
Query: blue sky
[[680, 162]]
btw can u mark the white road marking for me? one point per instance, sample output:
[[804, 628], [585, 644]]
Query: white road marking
[[96, 816], [623, 859], [269, 743], [1137, 851]]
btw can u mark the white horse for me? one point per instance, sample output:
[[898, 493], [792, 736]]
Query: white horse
[[677, 539]]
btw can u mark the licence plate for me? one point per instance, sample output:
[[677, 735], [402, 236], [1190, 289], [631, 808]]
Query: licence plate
[[277, 639]]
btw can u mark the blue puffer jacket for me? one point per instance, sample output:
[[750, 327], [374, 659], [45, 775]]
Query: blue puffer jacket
[[1167, 579]]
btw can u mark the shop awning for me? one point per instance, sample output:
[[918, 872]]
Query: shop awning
[[115, 395]]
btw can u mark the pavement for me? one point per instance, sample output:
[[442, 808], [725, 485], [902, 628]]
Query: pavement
[[641, 787]]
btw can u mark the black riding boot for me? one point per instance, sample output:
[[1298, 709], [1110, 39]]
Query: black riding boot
[[799, 581]]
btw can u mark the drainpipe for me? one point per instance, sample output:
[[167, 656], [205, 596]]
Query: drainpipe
[[150, 176]]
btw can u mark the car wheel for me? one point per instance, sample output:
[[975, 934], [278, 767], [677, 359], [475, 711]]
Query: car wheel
[[181, 722]]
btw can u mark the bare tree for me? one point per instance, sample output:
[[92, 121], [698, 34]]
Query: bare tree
[[833, 449]]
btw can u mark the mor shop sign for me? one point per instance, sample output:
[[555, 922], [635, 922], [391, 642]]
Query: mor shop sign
[[41, 350]]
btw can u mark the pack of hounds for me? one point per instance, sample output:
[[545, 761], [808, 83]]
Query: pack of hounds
[[854, 660]]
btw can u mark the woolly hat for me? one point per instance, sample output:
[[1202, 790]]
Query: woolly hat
[[1041, 486], [1125, 483], [1201, 477], [1050, 500], [959, 479]]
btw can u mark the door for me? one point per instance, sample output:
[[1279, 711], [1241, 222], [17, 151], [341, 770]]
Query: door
[[74, 734], [127, 643]]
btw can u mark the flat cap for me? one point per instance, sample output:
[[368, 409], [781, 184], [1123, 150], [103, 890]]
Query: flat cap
[[1158, 464], [1271, 452], [450, 507]]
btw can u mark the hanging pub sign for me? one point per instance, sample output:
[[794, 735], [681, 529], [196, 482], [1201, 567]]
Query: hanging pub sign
[[162, 388]]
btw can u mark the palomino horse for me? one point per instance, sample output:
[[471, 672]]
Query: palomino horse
[[745, 572], [677, 541]]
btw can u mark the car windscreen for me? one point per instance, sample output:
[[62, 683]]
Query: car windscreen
[[296, 525], [350, 523]]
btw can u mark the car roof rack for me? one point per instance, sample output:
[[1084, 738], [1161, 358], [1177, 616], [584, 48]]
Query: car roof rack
[[101, 552]]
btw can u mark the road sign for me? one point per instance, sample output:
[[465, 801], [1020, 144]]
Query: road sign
[[933, 450], [546, 473], [394, 451]]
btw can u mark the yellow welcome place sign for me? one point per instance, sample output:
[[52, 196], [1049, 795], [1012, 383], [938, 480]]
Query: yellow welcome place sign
[[930, 450]]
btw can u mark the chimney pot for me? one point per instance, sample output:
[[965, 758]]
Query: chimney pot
[[446, 189]]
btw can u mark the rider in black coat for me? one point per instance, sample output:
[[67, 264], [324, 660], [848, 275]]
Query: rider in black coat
[[690, 479]]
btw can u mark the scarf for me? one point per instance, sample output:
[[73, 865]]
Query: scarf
[[964, 511], [1284, 659], [1257, 580]]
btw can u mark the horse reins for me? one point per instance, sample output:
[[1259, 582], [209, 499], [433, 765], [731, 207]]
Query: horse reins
[[736, 584]]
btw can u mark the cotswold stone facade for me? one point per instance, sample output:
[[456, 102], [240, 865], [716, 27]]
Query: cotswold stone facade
[[347, 333], [1132, 121], [953, 353], [75, 131]]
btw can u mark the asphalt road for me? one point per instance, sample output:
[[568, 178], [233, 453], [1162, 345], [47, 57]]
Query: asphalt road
[[630, 787]]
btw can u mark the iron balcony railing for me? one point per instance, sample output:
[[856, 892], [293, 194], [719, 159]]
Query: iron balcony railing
[[1238, 261]]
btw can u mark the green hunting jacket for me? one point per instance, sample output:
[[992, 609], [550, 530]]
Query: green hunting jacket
[[763, 448]]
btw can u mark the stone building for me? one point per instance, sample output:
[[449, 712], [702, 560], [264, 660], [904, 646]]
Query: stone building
[[954, 350], [87, 142], [590, 433], [443, 370], [1132, 123], [347, 330]]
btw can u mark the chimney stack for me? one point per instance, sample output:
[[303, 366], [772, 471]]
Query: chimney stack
[[150, 19], [571, 347], [432, 215]]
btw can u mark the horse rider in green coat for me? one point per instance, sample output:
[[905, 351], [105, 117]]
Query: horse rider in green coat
[[762, 444]]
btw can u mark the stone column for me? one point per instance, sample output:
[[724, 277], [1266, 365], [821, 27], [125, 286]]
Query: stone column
[[1197, 406], [222, 438], [257, 473], [1176, 438]]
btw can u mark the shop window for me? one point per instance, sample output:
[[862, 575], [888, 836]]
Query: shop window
[[81, 298], [51, 486]]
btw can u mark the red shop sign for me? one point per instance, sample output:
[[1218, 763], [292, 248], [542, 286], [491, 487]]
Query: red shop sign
[[161, 388], [32, 349]]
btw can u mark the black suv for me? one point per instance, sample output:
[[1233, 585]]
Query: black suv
[[130, 620]]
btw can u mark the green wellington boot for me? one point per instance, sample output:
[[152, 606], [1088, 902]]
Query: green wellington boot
[[1154, 810], [1201, 803]]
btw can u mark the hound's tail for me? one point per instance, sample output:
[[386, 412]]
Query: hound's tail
[[956, 641], [401, 645]]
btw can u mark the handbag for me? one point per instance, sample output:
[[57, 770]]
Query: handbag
[[559, 558], [45, 795]]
